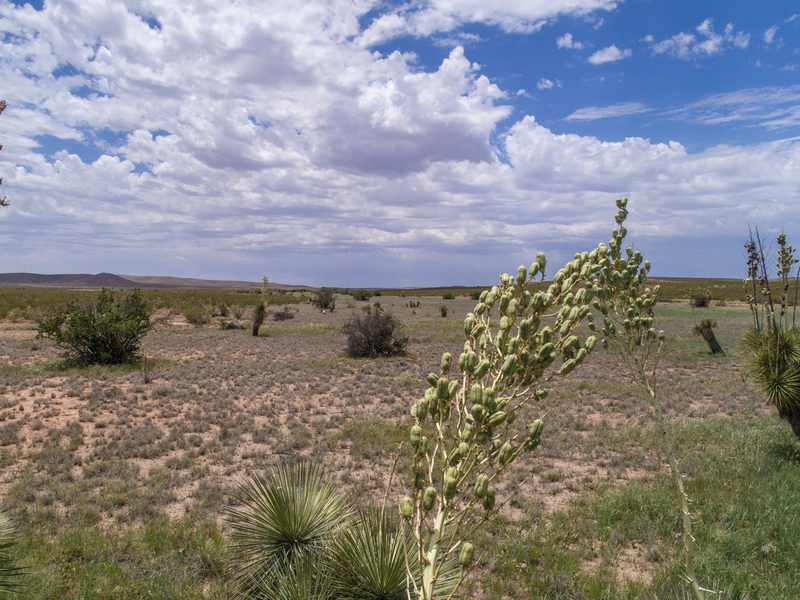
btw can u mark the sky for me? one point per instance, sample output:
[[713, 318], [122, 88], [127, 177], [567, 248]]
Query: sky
[[365, 143]]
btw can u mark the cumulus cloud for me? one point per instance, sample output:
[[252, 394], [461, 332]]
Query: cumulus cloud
[[705, 42], [610, 54], [566, 41], [546, 84]]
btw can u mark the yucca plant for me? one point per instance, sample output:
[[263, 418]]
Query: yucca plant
[[285, 517], [10, 576], [705, 329], [259, 314], [771, 347]]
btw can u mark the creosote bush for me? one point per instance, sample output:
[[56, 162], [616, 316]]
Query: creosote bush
[[105, 332], [325, 299], [374, 334]]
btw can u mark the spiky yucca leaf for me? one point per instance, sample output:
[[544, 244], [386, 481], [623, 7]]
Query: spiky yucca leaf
[[10, 576], [306, 579], [284, 517], [772, 359]]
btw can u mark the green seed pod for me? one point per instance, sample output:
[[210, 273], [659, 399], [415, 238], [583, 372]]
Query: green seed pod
[[447, 360], [541, 393], [483, 295], [421, 409], [420, 478], [462, 361], [525, 299], [452, 388], [566, 327], [511, 416], [478, 329], [509, 365], [468, 432], [505, 299], [501, 404], [407, 507], [430, 396], [532, 444], [455, 457], [567, 366], [463, 449], [481, 485], [513, 307], [538, 300], [536, 429], [496, 419], [441, 388], [476, 394], [489, 499], [477, 412], [466, 555], [546, 350], [506, 453], [559, 278], [489, 396], [504, 323], [522, 274], [482, 368], [424, 445], [483, 437], [469, 323], [450, 483], [546, 335], [433, 379], [429, 498], [480, 309], [444, 411], [590, 343], [580, 355], [415, 435], [471, 362], [570, 343]]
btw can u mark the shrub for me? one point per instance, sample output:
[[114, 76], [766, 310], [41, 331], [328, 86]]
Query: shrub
[[325, 299], [476, 295], [197, 316], [224, 309], [448, 296], [376, 334], [259, 314], [362, 295], [443, 310], [106, 332], [283, 315], [701, 300]]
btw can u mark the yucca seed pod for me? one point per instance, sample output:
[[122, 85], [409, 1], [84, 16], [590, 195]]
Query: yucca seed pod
[[482, 368], [513, 346], [483, 295], [505, 299], [537, 300], [462, 362], [469, 323], [546, 350], [466, 555], [496, 419], [570, 343], [504, 323], [424, 445], [414, 410], [444, 411], [511, 416], [468, 432], [463, 449], [567, 367], [590, 343], [452, 388], [495, 446], [541, 393], [489, 499], [421, 409], [450, 483], [541, 260], [509, 365], [483, 437], [447, 360], [537, 427], [407, 508], [481, 485], [477, 411], [455, 457], [565, 328], [441, 388], [433, 379], [534, 270], [429, 498], [531, 444], [478, 329], [502, 403], [471, 362], [415, 435], [580, 356], [476, 394], [420, 478], [525, 299], [506, 453], [480, 309], [522, 274], [491, 298], [513, 307], [546, 335]]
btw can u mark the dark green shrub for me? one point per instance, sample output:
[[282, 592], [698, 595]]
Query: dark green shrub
[[325, 299], [443, 310], [197, 315], [701, 300], [362, 295], [475, 295], [106, 332], [448, 296], [376, 334]]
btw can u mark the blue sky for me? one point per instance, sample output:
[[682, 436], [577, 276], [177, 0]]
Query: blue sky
[[364, 143]]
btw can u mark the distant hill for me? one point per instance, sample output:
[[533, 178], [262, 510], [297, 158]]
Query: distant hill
[[110, 280]]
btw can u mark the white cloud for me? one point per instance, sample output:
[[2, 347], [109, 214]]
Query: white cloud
[[769, 34], [546, 84], [610, 54], [770, 107], [706, 43], [566, 41], [592, 113]]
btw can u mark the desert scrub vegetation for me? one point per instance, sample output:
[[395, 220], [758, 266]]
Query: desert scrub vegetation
[[106, 331]]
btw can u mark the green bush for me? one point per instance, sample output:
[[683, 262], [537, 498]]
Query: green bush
[[375, 334], [197, 315], [362, 295], [105, 332], [325, 299], [443, 310], [448, 296]]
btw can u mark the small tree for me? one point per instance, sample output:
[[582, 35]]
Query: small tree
[[259, 314], [374, 334], [705, 329], [106, 332]]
